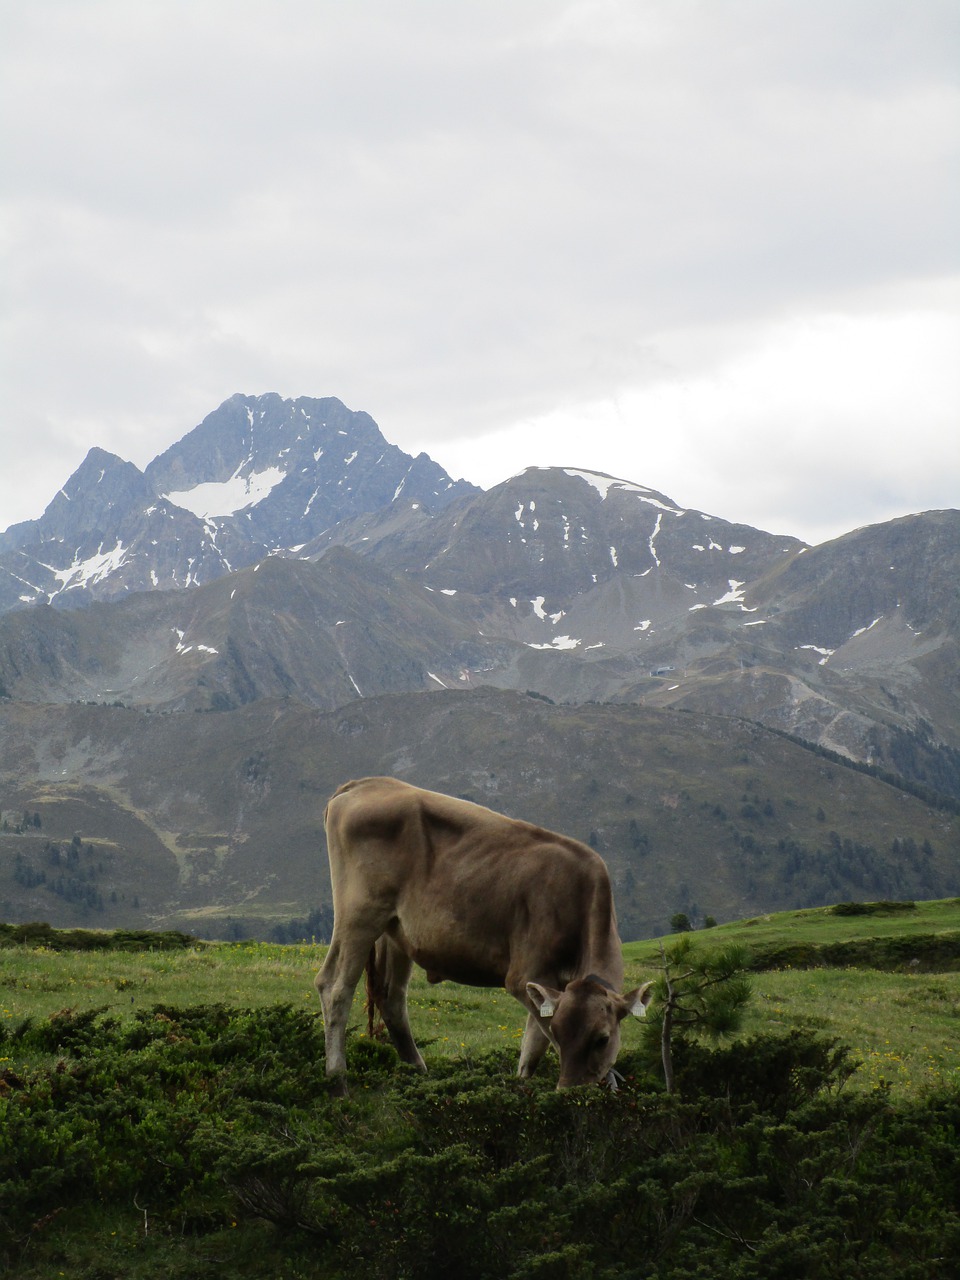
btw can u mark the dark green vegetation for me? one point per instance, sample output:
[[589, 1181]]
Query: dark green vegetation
[[201, 1142], [190, 1133], [698, 994], [40, 934], [218, 831]]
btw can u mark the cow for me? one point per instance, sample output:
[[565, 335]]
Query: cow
[[474, 897]]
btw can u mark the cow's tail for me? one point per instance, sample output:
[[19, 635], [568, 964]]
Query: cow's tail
[[376, 989]]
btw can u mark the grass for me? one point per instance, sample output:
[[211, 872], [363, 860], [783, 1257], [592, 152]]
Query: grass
[[821, 926], [903, 1026], [39, 982]]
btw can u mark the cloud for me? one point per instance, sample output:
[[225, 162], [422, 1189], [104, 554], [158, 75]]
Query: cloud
[[470, 218], [750, 434]]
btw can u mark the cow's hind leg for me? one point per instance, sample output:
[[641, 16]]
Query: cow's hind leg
[[336, 983], [393, 972]]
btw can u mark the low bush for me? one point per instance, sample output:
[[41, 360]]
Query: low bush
[[40, 934], [929, 953], [884, 908], [203, 1141]]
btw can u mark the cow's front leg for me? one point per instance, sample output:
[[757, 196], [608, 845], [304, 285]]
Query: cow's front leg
[[533, 1046]]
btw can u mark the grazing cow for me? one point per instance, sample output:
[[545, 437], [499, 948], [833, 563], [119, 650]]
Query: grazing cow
[[473, 897]]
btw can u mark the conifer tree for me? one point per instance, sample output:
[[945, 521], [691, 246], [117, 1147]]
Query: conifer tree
[[695, 995]]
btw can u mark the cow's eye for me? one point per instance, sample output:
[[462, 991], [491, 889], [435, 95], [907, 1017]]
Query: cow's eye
[[601, 1041]]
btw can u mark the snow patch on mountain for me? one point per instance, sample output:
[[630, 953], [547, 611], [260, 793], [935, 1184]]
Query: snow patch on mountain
[[603, 484], [188, 648], [227, 497], [83, 573], [558, 642], [653, 538], [734, 595], [827, 653], [863, 630], [542, 614]]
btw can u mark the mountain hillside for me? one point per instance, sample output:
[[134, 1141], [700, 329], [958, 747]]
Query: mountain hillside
[[562, 581], [194, 656], [214, 822], [321, 633]]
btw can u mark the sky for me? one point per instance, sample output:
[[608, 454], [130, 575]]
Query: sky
[[708, 246]]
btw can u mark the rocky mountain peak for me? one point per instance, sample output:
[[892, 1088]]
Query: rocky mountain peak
[[260, 475], [102, 489], [289, 469]]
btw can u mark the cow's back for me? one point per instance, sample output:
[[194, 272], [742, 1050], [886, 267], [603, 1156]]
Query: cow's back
[[404, 823], [406, 817], [461, 878]]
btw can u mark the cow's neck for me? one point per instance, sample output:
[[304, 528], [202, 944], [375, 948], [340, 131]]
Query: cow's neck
[[601, 953]]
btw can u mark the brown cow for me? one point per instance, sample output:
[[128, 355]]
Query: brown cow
[[478, 898]]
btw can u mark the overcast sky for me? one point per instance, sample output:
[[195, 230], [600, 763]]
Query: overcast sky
[[710, 246]]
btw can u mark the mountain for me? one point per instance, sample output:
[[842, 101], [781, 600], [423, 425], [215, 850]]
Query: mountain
[[213, 823], [281, 471], [565, 582], [855, 637], [259, 476], [283, 574], [322, 633]]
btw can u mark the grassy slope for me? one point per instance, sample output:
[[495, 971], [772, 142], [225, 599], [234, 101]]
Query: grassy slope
[[197, 821], [902, 1025], [819, 925]]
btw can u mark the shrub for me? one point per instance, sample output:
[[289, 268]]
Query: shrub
[[203, 1141], [871, 908], [41, 934]]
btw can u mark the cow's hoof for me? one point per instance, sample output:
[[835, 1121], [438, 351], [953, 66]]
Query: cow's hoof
[[337, 1086]]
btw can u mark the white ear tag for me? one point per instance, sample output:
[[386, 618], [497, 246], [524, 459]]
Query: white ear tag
[[542, 998]]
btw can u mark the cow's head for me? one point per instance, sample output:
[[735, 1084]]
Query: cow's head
[[583, 1021]]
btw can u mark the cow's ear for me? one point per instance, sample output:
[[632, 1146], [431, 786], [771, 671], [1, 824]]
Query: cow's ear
[[545, 998], [636, 1002]]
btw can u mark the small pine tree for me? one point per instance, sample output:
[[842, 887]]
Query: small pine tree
[[695, 996]]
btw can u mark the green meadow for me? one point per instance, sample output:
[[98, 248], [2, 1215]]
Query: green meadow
[[902, 1025], [164, 1115]]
